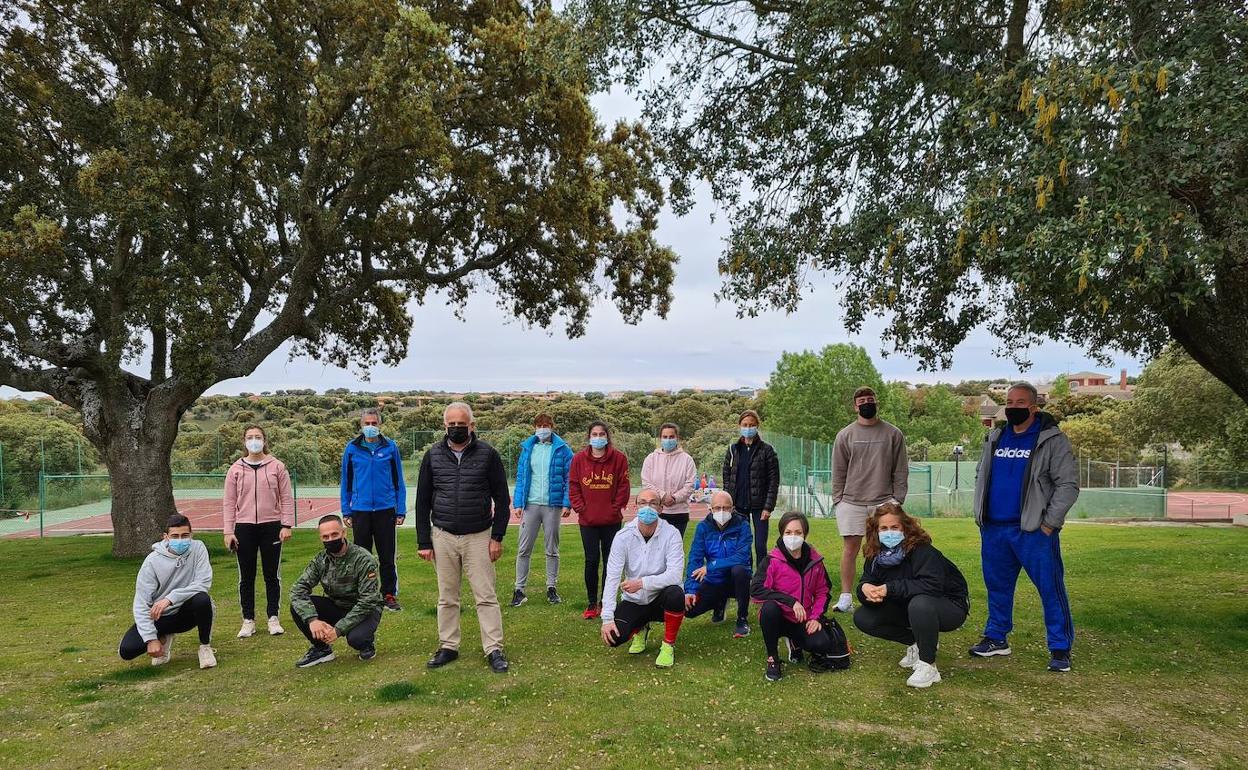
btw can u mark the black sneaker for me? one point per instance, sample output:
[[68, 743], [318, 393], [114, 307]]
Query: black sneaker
[[990, 647], [795, 652], [518, 598], [1060, 661], [442, 657], [552, 596], [717, 615], [498, 662], [742, 629], [392, 604], [368, 653], [818, 664], [772, 673], [315, 655]]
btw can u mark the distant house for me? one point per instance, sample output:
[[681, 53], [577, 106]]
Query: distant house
[[986, 409], [1000, 386], [1091, 384]]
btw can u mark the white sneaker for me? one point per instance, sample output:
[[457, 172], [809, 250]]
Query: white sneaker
[[911, 657], [248, 629], [275, 626], [207, 658], [166, 643], [845, 604], [925, 675]]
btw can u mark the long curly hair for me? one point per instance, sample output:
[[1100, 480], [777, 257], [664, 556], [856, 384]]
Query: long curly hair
[[910, 527]]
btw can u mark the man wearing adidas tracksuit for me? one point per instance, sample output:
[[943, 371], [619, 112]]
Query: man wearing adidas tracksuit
[[1026, 482]]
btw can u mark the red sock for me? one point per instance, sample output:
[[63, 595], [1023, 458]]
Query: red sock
[[671, 625]]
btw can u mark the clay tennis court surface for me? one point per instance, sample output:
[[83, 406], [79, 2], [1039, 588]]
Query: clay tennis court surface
[[1205, 506]]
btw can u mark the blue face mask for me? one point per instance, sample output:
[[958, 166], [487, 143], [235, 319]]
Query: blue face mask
[[543, 434], [891, 538], [371, 431], [749, 432], [647, 515], [668, 444], [598, 442], [179, 547]]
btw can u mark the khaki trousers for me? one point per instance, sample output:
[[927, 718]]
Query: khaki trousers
[[454, 557]]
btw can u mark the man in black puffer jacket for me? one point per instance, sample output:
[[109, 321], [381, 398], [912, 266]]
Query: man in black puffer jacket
[[462, 509]]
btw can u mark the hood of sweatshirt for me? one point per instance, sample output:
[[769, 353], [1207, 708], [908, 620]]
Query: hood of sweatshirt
[[607, 456]]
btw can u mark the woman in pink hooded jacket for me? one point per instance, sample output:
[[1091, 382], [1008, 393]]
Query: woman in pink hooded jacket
[[258, 512], [791, 584], [670, 471]]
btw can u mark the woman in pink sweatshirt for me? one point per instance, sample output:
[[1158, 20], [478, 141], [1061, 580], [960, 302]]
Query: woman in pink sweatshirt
[[670, 471], [258, 511]]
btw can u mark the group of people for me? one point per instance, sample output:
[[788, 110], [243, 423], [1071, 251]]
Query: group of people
[[637, 573]]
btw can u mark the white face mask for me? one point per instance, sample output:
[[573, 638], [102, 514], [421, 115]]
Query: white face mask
[[721, 517], [255, 445], [793, 542]]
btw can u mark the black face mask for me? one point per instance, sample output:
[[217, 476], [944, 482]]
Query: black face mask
[[457, 434], [332, 547], [867, 411], [1017, 415]]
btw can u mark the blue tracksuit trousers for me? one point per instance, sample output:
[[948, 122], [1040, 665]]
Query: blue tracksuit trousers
[[1004, 549]]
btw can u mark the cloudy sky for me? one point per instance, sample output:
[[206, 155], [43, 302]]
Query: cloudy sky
[[700, 344]]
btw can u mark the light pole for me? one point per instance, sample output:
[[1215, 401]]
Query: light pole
[[957, 465]]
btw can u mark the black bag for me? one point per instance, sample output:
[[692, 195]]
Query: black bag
[[839, 658]]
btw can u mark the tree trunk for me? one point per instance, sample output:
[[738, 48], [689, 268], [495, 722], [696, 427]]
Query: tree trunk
[[134, 433]]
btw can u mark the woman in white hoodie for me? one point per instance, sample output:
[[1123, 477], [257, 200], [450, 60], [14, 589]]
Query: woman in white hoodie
[[171, 597], [670, 471]]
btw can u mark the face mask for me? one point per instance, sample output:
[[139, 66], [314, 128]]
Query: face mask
[[867, 411], [793, 542], [370, 431], [1017, 415], [647, 514], [598, 442], [668, 444], [255, 445], [179, 547], [749, 432], [333, 546], [721, 517], [543, 434], [891, 538], [457, 434]]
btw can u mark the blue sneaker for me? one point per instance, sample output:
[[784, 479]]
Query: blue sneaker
[[1060, 661], [989, 647]]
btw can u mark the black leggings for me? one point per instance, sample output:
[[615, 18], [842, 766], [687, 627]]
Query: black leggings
[[631, 617], [919, 620], [678, 520], [597, 542], [378, 527], [359, 637], [775, 625], [194, 612], [760, 527], [714, 596], [264, 539]]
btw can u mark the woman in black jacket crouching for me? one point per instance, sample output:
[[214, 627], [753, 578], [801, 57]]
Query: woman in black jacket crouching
[[909, 591]]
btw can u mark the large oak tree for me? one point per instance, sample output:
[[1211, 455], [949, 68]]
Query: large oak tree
[[1072, 169], [193, 184]]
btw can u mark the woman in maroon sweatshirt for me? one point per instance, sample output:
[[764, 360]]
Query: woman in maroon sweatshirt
[[598, 487]]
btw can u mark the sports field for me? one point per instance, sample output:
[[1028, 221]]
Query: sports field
[[1159, 679]]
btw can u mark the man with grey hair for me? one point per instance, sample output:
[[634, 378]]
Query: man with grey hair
[[373, 497], [1026, 482], [462, 510]]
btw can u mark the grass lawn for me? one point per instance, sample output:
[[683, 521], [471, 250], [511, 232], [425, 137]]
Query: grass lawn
[[1160, 678]]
